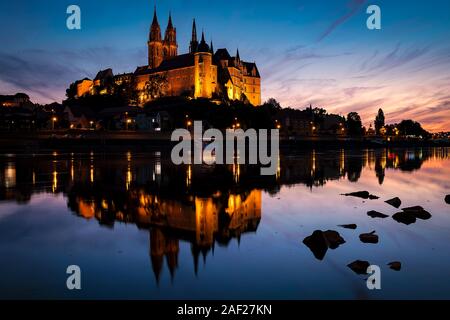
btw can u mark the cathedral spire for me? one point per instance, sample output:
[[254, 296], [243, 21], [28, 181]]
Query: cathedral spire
[[194, 42], [238, 58], [194, 32], [155, 30], [170, 25], [211, 47]]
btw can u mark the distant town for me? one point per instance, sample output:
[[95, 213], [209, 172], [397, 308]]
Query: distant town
[[78, 118]]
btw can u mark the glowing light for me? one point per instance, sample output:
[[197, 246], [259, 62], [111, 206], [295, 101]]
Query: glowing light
[[92, 173], [55, 181]]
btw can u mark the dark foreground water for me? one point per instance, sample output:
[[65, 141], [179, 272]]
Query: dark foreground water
[[140, 227]]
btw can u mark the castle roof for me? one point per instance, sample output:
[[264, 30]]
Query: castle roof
[[222, 54], [177, 62], [103, 74], [203, 46], [249, 66]]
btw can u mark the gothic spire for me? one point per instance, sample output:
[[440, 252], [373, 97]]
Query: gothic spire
[[194, 43], [155, 30], [194, 31], [170, 25]]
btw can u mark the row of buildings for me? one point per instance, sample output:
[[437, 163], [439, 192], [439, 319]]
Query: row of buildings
[[199, 73]]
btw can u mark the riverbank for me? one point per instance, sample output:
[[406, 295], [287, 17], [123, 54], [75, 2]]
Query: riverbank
[[75, 139]]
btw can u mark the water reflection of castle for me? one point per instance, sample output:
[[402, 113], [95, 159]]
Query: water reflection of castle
[[204, 206]]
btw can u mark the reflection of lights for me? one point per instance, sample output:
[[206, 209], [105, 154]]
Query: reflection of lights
[[189, 176], [34, 177], [129, 178], [236, 172], [92, 173], [313, 165], [278, 167], [342, 161], [10, 176], [158, 168], [55, 181]]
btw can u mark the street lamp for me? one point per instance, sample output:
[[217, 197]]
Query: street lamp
[[128, 123]]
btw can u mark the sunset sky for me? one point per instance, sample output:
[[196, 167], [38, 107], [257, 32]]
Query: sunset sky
[[317, 52]]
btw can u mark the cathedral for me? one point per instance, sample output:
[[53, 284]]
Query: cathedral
[[200, 73]]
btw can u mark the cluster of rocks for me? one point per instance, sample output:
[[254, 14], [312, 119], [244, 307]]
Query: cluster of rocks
[[410, 214], [320, 241]]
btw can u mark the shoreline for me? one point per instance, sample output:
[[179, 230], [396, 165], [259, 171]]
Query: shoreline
[[90, 139]]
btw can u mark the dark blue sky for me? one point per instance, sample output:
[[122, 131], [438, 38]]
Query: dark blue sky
[[316, 52]]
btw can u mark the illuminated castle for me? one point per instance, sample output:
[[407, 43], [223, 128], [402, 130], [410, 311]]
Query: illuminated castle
[[201, 73]]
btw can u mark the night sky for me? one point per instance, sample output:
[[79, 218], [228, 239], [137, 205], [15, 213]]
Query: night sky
[[317, 52]]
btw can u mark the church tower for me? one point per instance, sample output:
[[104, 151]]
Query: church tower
[[194, 42], [155, 45], [203, 70], [170, 46]]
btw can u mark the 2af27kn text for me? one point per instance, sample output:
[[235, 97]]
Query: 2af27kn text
[[233, 309]]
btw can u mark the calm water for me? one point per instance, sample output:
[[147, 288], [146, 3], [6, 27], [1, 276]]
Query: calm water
[[139, 227]]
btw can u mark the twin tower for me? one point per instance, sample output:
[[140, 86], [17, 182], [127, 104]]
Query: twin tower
[[161, 49]]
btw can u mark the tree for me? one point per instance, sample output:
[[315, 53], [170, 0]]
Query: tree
[[379, 121], [156, 86], [412, 128], [127, 91], [274, 103], [354, 124]]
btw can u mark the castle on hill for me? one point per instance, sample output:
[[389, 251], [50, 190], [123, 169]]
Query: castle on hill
[[200, 73]]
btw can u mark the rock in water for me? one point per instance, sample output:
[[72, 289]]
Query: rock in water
[[319, 242], [368, 237], [395, 202], [376, 214], [358, 194], [361, 194], [447, 199], [418, 212], [348, 226], [395, 265], [333, 238], [404, 217], [359, 266]]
